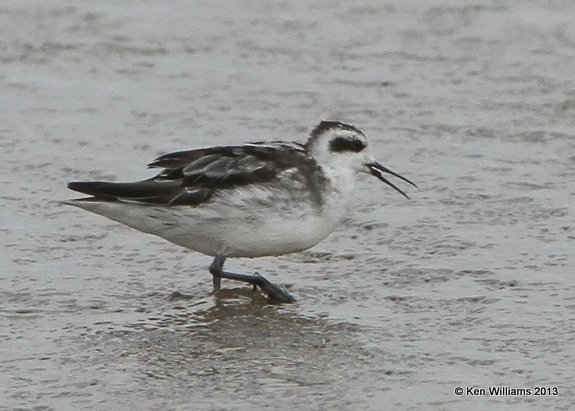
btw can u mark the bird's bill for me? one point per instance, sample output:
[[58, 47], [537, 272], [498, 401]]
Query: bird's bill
[[378, 170]]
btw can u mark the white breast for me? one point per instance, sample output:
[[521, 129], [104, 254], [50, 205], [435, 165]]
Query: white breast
[[250, 221]]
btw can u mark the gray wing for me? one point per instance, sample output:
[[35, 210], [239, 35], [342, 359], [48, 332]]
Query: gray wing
[[192, 177]]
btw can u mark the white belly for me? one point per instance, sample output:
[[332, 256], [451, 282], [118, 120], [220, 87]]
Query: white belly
[[234, 226]]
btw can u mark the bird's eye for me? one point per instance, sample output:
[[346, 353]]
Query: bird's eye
[[340, 144]]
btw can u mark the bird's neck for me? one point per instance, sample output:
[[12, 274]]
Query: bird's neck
[[339, 190]]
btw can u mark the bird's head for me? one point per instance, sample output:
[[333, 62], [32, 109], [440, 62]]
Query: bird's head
[[340, 146]]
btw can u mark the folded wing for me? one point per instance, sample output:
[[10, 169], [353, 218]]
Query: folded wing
[[192, 177]]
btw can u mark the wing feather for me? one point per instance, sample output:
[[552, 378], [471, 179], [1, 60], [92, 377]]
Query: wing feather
[[192, 177]]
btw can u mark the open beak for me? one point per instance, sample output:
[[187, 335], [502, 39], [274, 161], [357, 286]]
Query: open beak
[[378, 170]]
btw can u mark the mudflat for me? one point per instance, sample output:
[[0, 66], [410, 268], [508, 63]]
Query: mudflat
[[467, 284]]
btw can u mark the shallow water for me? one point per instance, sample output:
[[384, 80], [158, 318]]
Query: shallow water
[[469, 283]]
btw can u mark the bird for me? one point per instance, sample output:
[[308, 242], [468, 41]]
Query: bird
[[265, 198]]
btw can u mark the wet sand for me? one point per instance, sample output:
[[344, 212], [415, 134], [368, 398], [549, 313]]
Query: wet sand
[[469, 283]]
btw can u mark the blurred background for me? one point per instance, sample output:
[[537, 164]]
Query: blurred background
[[469, 283]]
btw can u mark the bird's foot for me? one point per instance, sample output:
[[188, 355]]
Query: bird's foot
[[177, 296], [274, 292]]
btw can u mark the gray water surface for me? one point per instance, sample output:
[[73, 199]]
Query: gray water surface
[[468, 284]]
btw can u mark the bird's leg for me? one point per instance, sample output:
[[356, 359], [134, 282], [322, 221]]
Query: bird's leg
[[271, 290], [216, 280]]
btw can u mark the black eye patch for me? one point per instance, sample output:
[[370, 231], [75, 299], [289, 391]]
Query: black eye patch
[[339, 144]]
